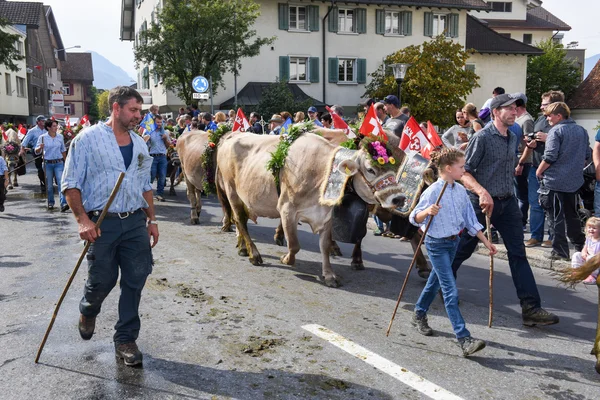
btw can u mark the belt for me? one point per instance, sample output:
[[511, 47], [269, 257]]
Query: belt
[[452, 237], [157, 154], [121, 215], [59, 160], [501, 198]]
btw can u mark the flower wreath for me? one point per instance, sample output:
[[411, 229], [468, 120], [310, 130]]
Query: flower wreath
[[11, 148], [208, 162], [278, 157], [380, 152]]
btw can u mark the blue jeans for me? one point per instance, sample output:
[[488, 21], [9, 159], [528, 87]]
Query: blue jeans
[[159, 170], [441, 253], [597, 199], [536, 212], [506, 217], [379, 223], [522, 191], [54, 171]]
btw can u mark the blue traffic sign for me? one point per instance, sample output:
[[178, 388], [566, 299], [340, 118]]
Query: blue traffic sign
[[200, 84]]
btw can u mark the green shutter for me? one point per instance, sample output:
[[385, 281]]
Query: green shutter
[[361, 70], [380, 22], [407, 23], [452, 25], [284, 16], [313, 18], [284, 68], [333, 70], [361, 20], [428, 28], [333, 20], [313, 65]]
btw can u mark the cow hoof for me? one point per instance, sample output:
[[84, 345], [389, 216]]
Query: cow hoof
[[16, 184], [172, 192], [598, 366], [195, 221], [257, 260], [423, 273], [243, 252], [279, 241], [357, 266], [226, 228], [336, 252], [332, 282], [287, 260], [10, 187]]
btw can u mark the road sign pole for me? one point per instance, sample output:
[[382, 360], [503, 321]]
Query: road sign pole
[[212, 106]]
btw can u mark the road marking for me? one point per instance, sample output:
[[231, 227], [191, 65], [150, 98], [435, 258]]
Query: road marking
[[394, 370]]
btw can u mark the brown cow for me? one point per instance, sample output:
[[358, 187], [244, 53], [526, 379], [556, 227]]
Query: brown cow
[[246, 186]]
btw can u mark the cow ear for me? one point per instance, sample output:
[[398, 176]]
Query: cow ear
[[348, 167]]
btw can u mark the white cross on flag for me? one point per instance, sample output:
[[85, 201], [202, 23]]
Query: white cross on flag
[[371, 125], [413, 140], [241, 122]]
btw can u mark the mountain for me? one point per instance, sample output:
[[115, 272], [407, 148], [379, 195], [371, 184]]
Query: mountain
[[108, 75], [590, 62]]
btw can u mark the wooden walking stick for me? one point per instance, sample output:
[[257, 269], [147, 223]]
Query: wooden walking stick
[[24, 164], [412, 263], [489, 235], [113, 194]]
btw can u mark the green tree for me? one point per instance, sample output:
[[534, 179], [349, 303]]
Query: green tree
[[436, 83], [102, 101], [550, 71], [199, 37], [93, 112], [278, 97], [9, 54]]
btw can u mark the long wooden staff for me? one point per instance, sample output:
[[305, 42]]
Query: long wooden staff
[[83, 253], [24, 164], [491, 309], [412, 263]]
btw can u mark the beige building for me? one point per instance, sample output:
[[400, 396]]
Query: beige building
[[585, 103], [14, 104], [78, 78]]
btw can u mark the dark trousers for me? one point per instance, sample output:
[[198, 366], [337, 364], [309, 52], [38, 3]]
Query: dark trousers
[[39, 164], [2, 191], [506, 217], [562, 214], [522, 191], [124, 244]]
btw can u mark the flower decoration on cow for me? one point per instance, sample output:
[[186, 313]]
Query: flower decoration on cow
[[11, 148], [380, 153]]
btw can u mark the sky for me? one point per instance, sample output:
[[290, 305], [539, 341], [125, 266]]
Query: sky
[[95, 26]]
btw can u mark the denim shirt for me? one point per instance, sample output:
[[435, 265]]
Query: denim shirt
[[53, 146], [3, 167], [31, 139], [156, 143], [94, 164]]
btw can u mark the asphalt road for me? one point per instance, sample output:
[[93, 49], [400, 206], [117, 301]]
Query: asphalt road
[[216, 327]]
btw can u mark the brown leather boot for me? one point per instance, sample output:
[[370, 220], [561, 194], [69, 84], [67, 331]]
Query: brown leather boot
[[130, 353], [86, 326]]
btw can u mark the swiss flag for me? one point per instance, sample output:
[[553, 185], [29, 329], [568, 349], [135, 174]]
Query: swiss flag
[[22, 132], [413, 140], [4, 135], [371, 126], [339, 123], [241, 122], [85, 121], [68, 122], [434, 140]]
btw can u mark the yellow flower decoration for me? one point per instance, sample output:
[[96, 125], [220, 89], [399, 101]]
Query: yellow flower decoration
[[392, 160], [381, 161]]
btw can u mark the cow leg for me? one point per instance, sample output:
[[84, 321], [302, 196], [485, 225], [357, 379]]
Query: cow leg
[[335, 249], [15, 180], [172, 179], [241, 223], [357, 261], [596, 349], [191, 194], [325, 243], [279, 236], [422, 267], [290, 228], [10, 184]]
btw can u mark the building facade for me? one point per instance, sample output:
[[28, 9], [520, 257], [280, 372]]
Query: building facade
[[14, 103], [78, 78]]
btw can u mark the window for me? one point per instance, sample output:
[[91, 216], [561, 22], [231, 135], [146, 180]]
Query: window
[[68, 109], [298, 18], [21, 87], [19, 47], [66, 90], [392, 23], [298, 70], [501, 6], [346, 20], [346, 68], [470, 67], [146, 78], [439, 24], [527, 38], [8, 84]]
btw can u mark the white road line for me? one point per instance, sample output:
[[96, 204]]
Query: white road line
[[402, 374]]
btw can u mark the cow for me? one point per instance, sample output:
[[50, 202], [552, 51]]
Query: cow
[[248, 189], [12, 159]]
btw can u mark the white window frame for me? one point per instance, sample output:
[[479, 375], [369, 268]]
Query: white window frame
[[531, 36], [67, 109], [8, 84], [66, 90], [437, 17], [297, 7], [298, 58], [354, 71], [471, 64], [504, 3], [21, 87], [344, 31], [20, 47], [399, 15]]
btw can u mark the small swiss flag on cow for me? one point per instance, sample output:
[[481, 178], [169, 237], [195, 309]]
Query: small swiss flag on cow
[[371, 126], [434, 141], [4, 135], [22, 132], [241, 122], [339, 123], [85, 121], [413, 140]]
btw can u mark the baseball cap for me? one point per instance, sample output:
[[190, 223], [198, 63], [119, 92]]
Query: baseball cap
[[521, 98], [503, 100], [40, 118], [276, 118], [367, 103], [312, 109], [391, 99]]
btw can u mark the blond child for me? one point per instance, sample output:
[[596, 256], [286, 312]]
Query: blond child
[[590, 249]]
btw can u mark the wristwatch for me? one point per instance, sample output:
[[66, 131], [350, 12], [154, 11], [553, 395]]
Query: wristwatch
[[155, 222]]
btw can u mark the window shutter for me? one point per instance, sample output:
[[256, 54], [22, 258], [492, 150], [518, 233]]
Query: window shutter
[[361, 20], [284, 68], [453, 25], [428, 28], [333, 20], [361, 70], [407, 23], [333, 70], [380, 22], [470, 67], [313, 18], [284, 16], [313, 65]]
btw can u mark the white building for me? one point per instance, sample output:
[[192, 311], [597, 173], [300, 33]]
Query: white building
[[14, 104]]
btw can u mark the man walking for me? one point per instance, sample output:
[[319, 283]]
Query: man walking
[[96, 158], [158, 142], [29, 142], [490, 163]]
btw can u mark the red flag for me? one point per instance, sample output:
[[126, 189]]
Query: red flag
[[22, 132], [68, 122], [371, 126], [241, 122], [85, 121], [434, 140], [413, 139], [4, 135], [339, 123]]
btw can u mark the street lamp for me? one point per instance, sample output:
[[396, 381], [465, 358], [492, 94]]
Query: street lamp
[[399, 71]]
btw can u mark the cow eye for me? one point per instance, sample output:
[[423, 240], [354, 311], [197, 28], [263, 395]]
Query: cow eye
[[371, 171]]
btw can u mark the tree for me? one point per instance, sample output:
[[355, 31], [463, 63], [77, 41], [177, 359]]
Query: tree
[[199, 37], [93, 112], [102, 102], [436, 84], [550, 71], [278, 97], [9, 54]]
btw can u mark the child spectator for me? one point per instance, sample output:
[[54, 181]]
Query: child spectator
[[590, 249]]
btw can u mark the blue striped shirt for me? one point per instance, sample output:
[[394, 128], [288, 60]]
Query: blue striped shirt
[[456, 211], [3, 168], [94, 164], [32, 136], [156, 142], [53, 146]]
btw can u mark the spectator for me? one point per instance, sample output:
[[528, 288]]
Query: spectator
[[171, 123], [456, 136], [231, 116], [339, 110], [158, 142], [470, 113], [29, 142], [525, 121], [209, 125], [367, 104], [561, 172], [490, 162], [153, 110], [299, 117], [484, 113], [181, 125], [397, 118], [276, 122], [327, 121], [52, 145], [313, 116], [597, 165], [181, 112], [405, 111], [255, 126], [221, 118], [4, 181], [285, 115], [380, 112], [195, 111]]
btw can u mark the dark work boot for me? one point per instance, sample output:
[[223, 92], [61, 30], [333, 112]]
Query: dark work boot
[[468, 345], [129, 353], [538, 316], [86, 326], [420, 323]]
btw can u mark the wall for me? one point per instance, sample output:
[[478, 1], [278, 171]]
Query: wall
[[589, 119], [537, 35], [38, 105], [12, 105], [519, 12]]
